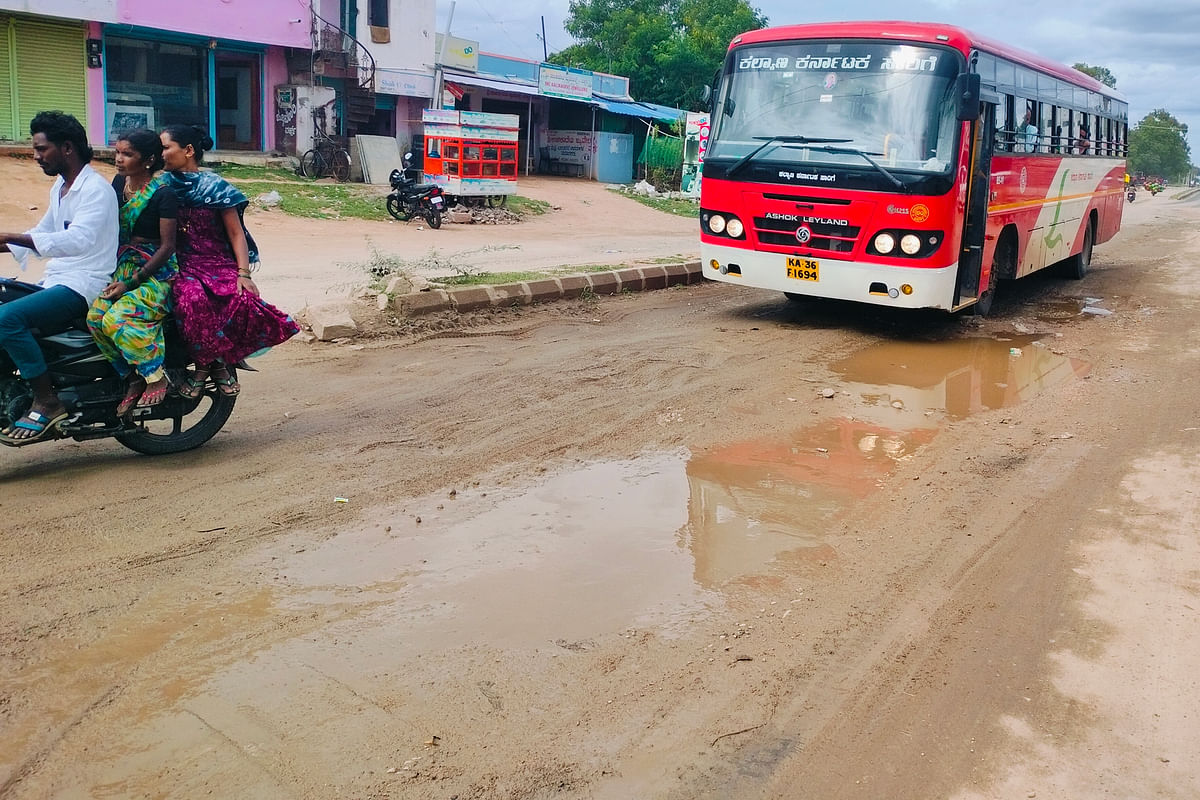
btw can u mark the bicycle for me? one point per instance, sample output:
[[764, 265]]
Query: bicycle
[[327, 158]]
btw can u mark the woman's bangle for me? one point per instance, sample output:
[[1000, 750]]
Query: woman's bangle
[[243, 274]]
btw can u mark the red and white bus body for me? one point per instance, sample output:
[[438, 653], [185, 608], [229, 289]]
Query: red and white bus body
[[826, 136]]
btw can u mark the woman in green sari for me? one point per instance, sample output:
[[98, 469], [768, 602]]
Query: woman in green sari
[[126, 320]]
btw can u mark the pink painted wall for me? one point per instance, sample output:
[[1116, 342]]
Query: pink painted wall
[[277, 75], [258, 21], [94, 88]]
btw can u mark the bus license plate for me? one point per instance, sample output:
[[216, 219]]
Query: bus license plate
[[803, 269]]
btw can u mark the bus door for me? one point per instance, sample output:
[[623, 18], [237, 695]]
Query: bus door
[[979, 187]]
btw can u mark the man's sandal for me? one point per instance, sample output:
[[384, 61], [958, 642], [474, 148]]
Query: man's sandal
[[43, 427]]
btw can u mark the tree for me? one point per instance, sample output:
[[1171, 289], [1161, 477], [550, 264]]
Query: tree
[[667, 48], [1102, 74], [1158, 146]]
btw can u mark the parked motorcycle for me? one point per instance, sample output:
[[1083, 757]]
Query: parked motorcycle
[[410, 199], [91, 391]]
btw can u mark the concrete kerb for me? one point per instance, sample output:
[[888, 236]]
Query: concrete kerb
[[472, 298]]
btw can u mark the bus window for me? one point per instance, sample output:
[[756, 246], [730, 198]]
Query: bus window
[[1028, 131], [1004, 124], [1058, 119]]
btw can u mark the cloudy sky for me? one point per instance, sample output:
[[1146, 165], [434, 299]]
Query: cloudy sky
[[1152, 49]]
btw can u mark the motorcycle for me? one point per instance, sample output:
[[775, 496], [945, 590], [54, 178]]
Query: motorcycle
[[1131, 195], [91, 390], [410, 199]]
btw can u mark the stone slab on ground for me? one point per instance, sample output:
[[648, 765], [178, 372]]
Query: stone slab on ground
[[330, 321]]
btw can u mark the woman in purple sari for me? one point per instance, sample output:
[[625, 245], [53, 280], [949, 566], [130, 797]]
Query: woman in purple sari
[[217, 306]]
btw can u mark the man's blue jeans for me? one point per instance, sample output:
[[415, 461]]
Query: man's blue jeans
[[51, 311]]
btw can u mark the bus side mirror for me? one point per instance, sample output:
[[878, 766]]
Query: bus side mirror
[[967, 88], [706, 94]]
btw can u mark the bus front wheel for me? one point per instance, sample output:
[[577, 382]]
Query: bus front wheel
[[1004, 260], [1077, 265]]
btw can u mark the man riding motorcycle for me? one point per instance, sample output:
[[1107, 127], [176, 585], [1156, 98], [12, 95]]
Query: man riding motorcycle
[[78, 233]]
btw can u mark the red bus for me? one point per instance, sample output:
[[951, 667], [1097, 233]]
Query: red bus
[[904, 164]]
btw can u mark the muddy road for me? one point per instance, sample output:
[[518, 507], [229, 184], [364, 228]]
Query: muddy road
[[698, 543]]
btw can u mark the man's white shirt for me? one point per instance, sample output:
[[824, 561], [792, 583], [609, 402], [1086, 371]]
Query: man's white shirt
[[79, 234]]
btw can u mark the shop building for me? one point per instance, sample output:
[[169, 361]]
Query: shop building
[[117, 64], [269, 75], [572, 121]]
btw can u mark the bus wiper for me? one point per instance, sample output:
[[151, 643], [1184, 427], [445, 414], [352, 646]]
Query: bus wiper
[[777, 141], [852, 151]]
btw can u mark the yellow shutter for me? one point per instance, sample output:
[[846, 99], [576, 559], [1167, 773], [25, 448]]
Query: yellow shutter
[[7, 68], [51, 60]]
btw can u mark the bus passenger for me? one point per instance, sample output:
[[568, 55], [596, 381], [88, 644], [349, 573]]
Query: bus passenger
[[1082, 145], [1027, 134]]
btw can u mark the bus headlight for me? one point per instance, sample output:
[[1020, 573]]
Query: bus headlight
[[716, 223], [910, 244], [885, 243], [734, 228]]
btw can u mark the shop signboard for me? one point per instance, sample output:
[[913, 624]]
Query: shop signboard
[[695, 145], [565, 82], [570, 147]]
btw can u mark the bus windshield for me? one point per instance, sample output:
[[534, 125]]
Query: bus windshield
[[893, 102]]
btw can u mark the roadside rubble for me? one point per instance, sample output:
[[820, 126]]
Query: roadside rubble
[[482, 215]]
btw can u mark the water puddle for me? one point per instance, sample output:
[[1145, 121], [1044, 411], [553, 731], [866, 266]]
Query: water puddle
[[586, 552], [755, 503], [956, 378], [1071, 309]]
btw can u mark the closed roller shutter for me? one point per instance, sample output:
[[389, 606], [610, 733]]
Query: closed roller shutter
[[51, 61], [7, 101]]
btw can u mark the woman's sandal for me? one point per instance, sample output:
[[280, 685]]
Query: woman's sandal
[[226, 384], [154, 394], [132, 395], [193, 387]]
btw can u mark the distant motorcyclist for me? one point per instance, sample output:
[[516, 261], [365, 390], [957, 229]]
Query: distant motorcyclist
[[78, 234]]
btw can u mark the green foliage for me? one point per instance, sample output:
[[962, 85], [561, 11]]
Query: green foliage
[[1158, 146], [667, 48], [526, 206], [1102, 74], [680, 207]]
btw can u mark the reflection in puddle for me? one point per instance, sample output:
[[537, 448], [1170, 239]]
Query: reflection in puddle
[[960, 377], [754, 501]]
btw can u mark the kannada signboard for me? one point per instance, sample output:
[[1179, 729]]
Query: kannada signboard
[[565, 82], [570, 147]]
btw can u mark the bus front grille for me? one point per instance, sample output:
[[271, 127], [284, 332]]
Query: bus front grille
[[782, 233]]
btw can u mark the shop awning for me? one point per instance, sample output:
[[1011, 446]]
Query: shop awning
[[636, 109], [491, 83]]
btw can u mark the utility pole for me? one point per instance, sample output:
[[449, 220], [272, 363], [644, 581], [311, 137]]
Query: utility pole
[[545, 52], [438, 76]]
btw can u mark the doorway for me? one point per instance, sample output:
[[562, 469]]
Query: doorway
[[239, 102]]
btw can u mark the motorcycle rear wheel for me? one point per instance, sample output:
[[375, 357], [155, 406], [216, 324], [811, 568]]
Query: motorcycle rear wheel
[[190, 423], [396, 209], [434, 218]]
